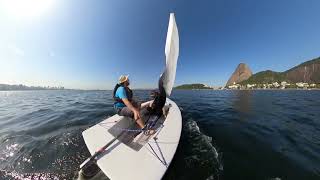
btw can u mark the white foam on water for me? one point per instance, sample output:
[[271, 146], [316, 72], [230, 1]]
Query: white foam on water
[[29, 176], [203, 151], [9, 151]]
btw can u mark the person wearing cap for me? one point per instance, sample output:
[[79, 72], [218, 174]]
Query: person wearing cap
[[124, 104]]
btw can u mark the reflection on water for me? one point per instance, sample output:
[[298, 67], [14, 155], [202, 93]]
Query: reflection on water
[[242, 103]]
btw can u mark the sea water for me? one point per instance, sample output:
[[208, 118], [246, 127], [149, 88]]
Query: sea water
[[260, 134]]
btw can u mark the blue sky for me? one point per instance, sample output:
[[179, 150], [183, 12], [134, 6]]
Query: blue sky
[[89, 44]]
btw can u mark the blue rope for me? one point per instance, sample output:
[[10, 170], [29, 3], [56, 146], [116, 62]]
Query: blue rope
[[125, 129]]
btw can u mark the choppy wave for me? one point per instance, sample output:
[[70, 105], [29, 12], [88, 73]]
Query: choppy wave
[[28, 176], [57, 157], [196, 157]]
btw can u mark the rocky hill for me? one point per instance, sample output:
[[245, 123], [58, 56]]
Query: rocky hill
[[308, 72], [241, 73]]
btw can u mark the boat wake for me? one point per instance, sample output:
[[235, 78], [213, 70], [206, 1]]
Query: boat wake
[[196, 156], [43, 158]]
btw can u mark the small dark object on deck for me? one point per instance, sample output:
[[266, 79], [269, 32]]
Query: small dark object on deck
[[90, 170]]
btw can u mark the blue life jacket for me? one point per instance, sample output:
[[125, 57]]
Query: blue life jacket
[[128, 93]]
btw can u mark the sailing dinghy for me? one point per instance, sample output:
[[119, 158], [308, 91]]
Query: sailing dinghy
[[127, 152]]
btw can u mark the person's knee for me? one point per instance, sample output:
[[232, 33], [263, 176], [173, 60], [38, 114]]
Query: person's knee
[[126, 112]]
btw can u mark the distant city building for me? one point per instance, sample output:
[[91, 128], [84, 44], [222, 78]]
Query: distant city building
[[276, 84], [284, 84], [234, 86], [250, 86], [8, 87], [302, 85]]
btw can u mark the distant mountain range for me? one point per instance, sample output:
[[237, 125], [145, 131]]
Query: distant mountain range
[[308, 72], [7, 87], [193, 86]]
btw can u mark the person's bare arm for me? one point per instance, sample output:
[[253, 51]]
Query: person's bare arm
[[128, 104], [135, 112], [132, 108], [148, 103]]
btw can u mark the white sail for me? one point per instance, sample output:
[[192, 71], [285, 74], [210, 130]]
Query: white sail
[[172, 53]]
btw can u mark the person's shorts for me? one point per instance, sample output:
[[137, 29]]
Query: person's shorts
[[125, 111]]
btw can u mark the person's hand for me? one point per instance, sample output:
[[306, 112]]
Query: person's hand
[[150, 131], [136, 114]]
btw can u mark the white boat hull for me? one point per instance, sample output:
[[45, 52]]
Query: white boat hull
[[141, 157]]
